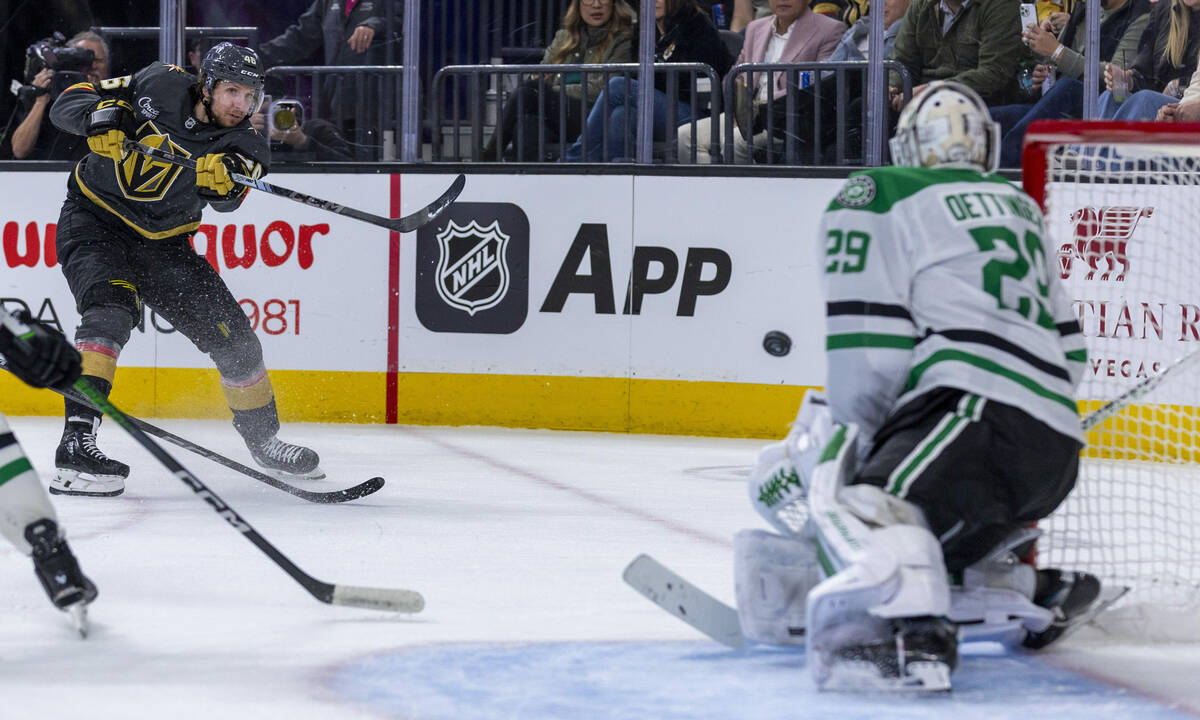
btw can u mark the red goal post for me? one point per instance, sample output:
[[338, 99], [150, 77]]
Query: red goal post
[[1122, 213]]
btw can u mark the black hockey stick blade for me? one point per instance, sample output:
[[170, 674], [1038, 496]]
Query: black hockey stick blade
[[396, 600], [408, 223], [333, 496]]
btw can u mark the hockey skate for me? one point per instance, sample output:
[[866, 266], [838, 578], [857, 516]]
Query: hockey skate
[[285, 460], [58, 571], [917, 655], [1073, 597], [82, 468]]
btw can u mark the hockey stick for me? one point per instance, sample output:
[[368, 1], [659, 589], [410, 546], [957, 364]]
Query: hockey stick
[[408, 223], [395, 600], [666, 589], [349, 595], [334, 496], [1117, 404]]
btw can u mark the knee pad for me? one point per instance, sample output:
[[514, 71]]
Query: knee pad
[[109, 311], [773, 575]]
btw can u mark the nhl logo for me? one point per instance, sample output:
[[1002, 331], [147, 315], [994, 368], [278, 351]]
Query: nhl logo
[[472, 269]]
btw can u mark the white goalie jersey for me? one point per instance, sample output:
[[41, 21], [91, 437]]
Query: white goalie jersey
[[940, 278]]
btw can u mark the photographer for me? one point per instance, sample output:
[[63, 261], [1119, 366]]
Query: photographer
[[51, 66], [292, 139]]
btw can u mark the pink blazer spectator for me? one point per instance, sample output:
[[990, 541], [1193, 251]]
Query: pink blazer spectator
[[813, 37]]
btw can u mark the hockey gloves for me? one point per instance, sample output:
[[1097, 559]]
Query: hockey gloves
[[41, 357], [212, 176], [107, 125]]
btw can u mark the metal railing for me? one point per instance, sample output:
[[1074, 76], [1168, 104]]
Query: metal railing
[[820, 92], [362, 101], [468, 110], [243, 35]]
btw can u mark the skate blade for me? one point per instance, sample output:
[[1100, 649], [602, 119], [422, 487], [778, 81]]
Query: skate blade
[[863, 676], [315, 474], [71, 478], [79, 618]]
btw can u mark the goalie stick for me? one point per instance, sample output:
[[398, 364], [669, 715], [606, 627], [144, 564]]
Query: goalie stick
[[408, 223], [360, 490], [672, 593]]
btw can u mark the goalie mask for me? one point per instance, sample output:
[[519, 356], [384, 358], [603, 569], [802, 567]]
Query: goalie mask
[[948, 125]]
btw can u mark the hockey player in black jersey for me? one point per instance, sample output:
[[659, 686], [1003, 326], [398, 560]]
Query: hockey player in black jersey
[[123, 239]]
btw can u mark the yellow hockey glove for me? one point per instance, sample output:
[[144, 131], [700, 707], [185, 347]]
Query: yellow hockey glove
[[212, 175], [107, 124]]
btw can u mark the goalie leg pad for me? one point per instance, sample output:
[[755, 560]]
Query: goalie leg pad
[[881, 624], [891, 586], [773, 575]]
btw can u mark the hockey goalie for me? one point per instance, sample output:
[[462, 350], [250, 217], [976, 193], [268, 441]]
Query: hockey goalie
[[905, 494]]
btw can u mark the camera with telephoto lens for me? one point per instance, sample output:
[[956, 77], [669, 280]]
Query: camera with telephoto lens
[[54, 53], [70, 65], [285, 115]]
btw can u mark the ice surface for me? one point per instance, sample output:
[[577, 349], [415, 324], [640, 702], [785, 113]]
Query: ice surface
[[516, 538]]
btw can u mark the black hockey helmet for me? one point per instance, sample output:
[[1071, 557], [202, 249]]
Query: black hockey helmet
[[232, 63]]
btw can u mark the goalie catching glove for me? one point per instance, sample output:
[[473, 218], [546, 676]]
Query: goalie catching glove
[[213, 179], [108, 123]]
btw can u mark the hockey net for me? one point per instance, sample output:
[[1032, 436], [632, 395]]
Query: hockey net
[[1122, 208]]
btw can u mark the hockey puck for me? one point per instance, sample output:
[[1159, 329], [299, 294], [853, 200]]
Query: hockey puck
[[777, 343]]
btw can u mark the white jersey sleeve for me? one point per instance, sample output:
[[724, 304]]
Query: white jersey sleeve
[[938, 278]]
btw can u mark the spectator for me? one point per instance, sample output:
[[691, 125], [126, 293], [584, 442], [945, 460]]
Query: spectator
[[683, 34], [1166, 60], [793, 33], [974, 42], [593, 31], [1188, 108], [35, 137], [1122, 23], [315, 139], [853, 45], [344, 33]]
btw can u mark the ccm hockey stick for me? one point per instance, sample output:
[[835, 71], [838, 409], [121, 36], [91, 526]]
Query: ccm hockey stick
[[333, 496], [408, 223], [1120, 402], [395, 600]]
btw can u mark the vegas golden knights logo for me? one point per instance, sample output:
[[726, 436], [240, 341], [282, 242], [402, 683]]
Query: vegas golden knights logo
[[142, 178]]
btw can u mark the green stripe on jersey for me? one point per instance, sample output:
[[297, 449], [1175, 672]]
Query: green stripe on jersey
[[989, 366], [1078, 355], [878, 189], [13, 469], [947, 429], [873, 340]]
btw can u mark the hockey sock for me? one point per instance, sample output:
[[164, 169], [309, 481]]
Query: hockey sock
[[80, 416]]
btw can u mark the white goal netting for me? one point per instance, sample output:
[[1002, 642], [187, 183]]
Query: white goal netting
[[1123, 216]]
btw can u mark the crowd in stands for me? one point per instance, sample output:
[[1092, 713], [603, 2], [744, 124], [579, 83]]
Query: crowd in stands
[[1148, 50]]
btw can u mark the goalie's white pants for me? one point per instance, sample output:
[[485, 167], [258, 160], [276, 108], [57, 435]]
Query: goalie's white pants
[[23, 500]]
